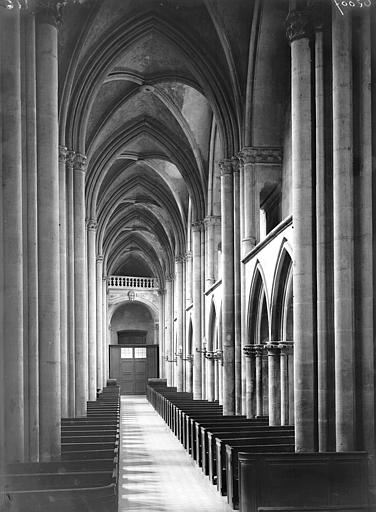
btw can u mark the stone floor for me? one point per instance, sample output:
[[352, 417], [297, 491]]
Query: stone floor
[[156, 474]]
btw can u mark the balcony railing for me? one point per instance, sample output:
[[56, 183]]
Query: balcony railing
[[144, 283]]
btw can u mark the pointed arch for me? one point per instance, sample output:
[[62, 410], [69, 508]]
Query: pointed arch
[[258, 309], [281, 301]]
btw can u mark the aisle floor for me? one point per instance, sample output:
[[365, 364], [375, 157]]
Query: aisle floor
[[156, 473]]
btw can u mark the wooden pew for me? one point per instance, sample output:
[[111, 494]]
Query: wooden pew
[[34, 481], [209, 434], [303, 479], [232, 476], [328, 508], [62, 466], [237, 441]]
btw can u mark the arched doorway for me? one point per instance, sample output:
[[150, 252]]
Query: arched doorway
[[133, 351]]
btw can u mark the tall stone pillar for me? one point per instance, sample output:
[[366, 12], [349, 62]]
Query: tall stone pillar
[[237, 289], [12, 235], [323, 273], [259, 350], [202, 308], [228, 326], [304, 329], [105, 330], [63, 282], [179, 261], [48, 231], [169, 330], [70, 285], [28, 66], [99, 322], [92, 307], [161, 323], [80, 287], [286, 351], [250, 359], [210, 249], [210, 363], [188, 278], [251, 203], [196, 316], [274, 384], [243, 291], [343, 232]]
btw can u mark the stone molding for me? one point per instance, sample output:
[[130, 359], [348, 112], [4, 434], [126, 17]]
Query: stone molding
[[100, 257], [273, 348], [298, 25], [236, 164], [63, 153], [80, 162], [261, 155], [48, 11], [188, 255], [92, 224], [179, 258], [226, 167], [170, 277], [249, 350]]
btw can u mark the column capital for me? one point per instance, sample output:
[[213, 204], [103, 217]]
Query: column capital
[[80, 162], [161, 292], [170, 277], [235, 164], [261, 155], [100, 257], [286, 347], [188, 255], [70, 158], [104, 278], [63, 153], [47, 11], [259, 349], [273, 348], [212, 220], [249, 350], [179, 258], [197, 225], [298, 25], [226, 166], [91, 224]]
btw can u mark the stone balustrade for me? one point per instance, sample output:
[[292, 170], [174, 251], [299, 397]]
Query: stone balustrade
[[144, 283]]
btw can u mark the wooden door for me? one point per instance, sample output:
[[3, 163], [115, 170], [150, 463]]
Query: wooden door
[[132, 366]]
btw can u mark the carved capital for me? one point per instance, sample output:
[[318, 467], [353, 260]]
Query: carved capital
[[70, 159], [170, 277], [48, 11], [100, 258], [273, 349], [91, 224], [261, 155], [79, 162], [235, 164], [188, 255], [63, 152], [286, 347], [212, 220], [298, 25], [226, 167], [197, 225], [161, 292], [259, 350], [179, 258], [249, 350]]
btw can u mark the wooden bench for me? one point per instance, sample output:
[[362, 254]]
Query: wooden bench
[[79, 438], [232, 475], [200, 445], [302, 479], [209, 434], [82, 446], [89, 454], [329, 508], [62, 466], [238, 441], [33, 481]]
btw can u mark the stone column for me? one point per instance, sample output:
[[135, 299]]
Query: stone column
[[188, 277], [12, 235], [286, 351], [169, 330], [80, 287], [28, 66], [274, 383], [243, 291], [196, 316], [99, 322], [210, 249], [259, 350], [179, 319], [250, 368], [48, 232], [237, 289], [343, 233], [92, 307], [228, 327], [210, 363], [251, 202], [105, 329], [162, 347], [202, 308], [301, 119], [63, 282], [323, 274], [70, 285]]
